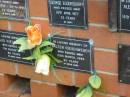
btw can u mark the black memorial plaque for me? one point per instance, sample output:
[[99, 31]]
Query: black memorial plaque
[[70, 13], [76, 54], [123, 15], [112, 6], [119, 15], [9, 51], [124, 63], [14, 9]]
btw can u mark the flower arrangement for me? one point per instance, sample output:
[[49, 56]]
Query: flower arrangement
[[41, 49], [44, 58], [87, 90]]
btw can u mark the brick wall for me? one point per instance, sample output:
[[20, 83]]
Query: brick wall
[[105, 52]]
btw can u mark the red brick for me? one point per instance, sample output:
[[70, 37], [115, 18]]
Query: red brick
[[26, 95], [7, 67], [81, 78], [38, 8], [28, 72], [2, 95], [110, 83], [101, 94], [12, 93], [3, 25], [5, 81], [63, 31], [101, 36], [124, 38], [106, 61], [44, 89], [98, 11], [124, 90], [18, 26], [65, 76]]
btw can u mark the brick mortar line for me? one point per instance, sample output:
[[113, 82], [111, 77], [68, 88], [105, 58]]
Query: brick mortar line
[[73, 78], [91, 24], [105, 50], [106, 94], [44, 82], [107, 73], [16, 68], [39, 18], [69, 32], [9, 26], [1, 74], [98, 25]]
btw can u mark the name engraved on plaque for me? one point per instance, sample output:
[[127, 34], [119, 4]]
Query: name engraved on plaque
[[124, 63], [76, 54], [8, 51], [71, 13], [14, 9], [124, 15]]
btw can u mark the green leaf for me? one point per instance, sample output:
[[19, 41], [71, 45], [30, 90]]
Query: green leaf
[[80, 89], [23, 44], [54, 58], [52, 67], [53, 62], [46, 43], [47, 50], [86, 92], [36, 53], [95, 81]]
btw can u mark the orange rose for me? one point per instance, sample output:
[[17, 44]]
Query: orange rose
[[34, 35]]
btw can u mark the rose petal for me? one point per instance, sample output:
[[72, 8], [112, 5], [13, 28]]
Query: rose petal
[[34, 34], [43, 65]]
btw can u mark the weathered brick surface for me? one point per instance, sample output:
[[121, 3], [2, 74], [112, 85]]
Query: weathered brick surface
[[64, 77], [110, 83], [98, 11], [3, 24], [17, 26], [105, 51], [104, 94], [106, 61], [5, 81], [38, 8], [100, 35], [44, 89], [7, 67]]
